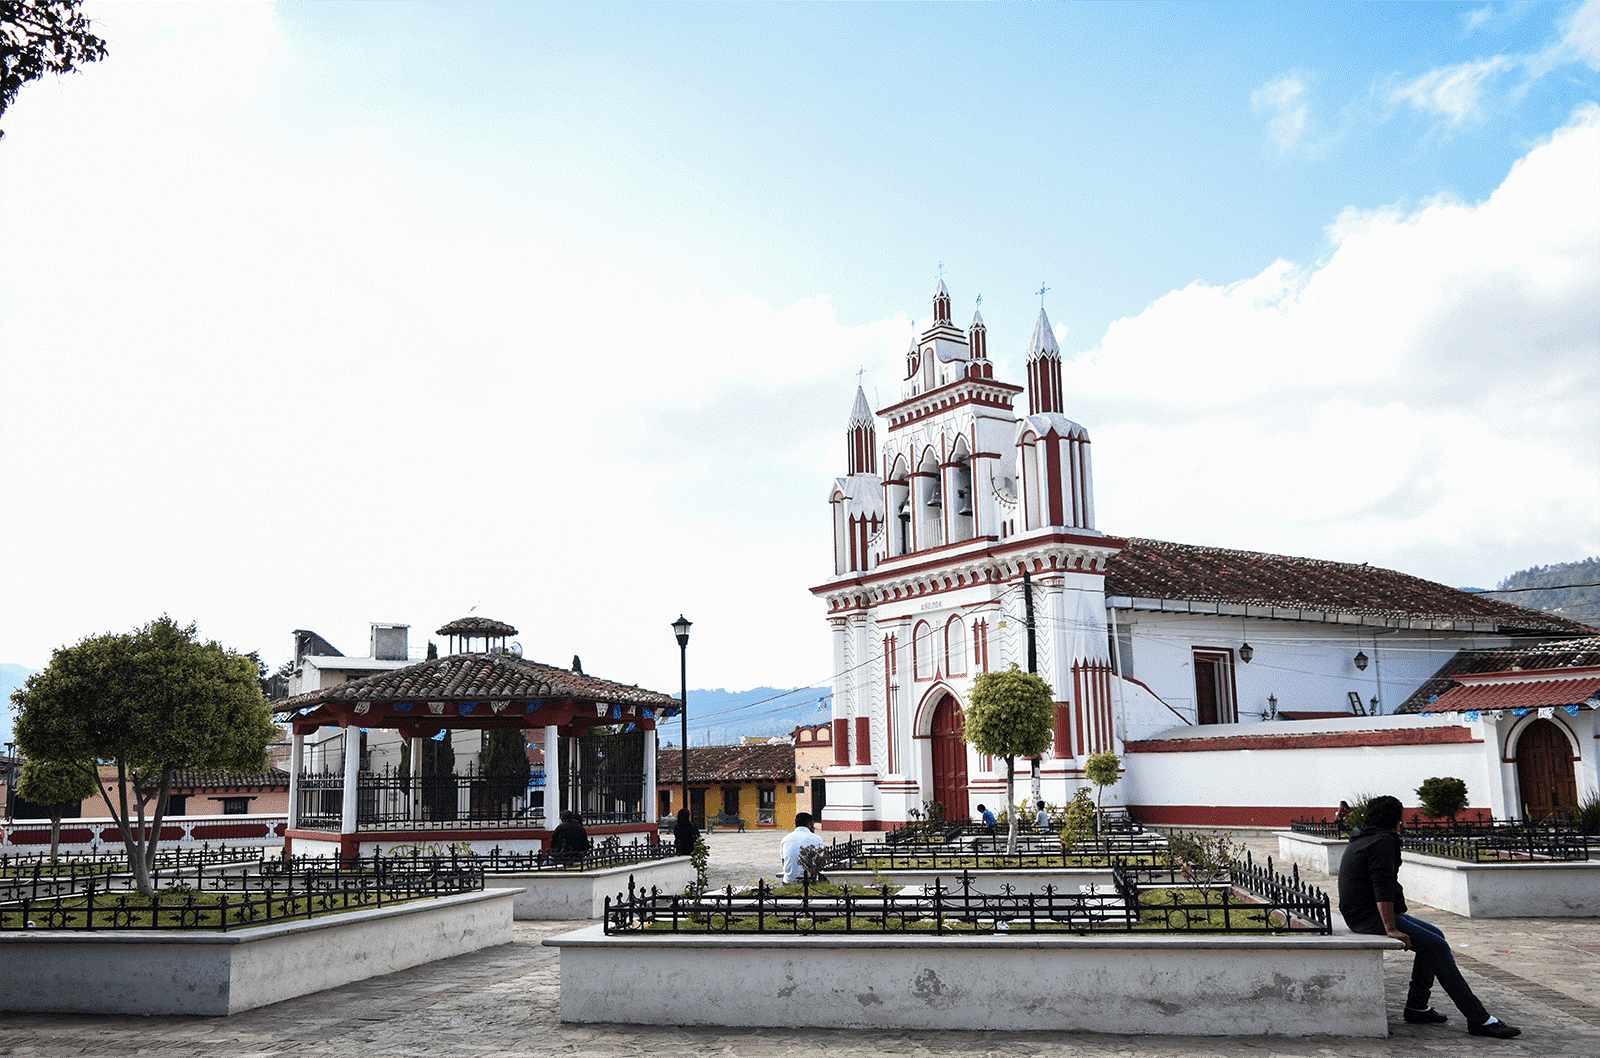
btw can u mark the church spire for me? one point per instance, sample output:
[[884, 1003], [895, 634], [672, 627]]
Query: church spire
[[1044, 369], [941, 304], [863, 436], [978, 365]]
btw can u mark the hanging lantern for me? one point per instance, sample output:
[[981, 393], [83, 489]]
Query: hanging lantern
[[1246, 652], [1361, 661]]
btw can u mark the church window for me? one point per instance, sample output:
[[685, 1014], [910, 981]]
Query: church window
[[922, 648], [955, 645]]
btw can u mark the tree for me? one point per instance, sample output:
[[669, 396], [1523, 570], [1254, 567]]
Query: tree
[[150, 701], [1010, 714], [505, 768], [1101, 769], [57, 784], [39, 37], [1442, 797]]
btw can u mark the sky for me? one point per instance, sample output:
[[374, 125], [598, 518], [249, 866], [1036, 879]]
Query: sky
[[318, 315]]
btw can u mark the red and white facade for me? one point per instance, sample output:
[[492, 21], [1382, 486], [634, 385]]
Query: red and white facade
[[934, 530]]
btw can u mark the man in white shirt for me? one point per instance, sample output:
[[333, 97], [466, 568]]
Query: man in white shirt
[[803, 836]]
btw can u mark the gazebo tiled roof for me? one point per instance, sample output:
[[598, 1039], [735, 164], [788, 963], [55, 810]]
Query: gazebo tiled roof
[[477, 690], [1216, 576], [477, 627]]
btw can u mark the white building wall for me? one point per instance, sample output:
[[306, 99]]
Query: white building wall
[[1307, 665], [1269, 787]]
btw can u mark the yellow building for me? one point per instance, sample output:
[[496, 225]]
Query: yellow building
[[752, 783]]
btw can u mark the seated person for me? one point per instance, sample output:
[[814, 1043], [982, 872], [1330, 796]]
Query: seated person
[[803, 836], [570, 843]]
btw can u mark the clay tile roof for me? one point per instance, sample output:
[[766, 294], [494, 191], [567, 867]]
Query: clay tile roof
[[1562, 654], [479, 677], [197, 779], [1524, 694], [710, 765], [476, 626], [1157, 569]]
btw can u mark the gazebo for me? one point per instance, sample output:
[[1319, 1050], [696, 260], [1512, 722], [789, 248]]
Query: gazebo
[[598, 738]]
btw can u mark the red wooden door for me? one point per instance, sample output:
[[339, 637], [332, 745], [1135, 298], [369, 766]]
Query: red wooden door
[[1544, 770], [949, 759]]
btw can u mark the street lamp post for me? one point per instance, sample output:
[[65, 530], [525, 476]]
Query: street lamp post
[[681, 628]]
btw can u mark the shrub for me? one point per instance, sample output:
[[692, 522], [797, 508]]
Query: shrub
[[1442, 797], [1589, 813], [1080, 824]]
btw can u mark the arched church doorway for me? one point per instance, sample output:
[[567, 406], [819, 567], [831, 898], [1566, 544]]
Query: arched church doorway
[[1544, 770], [949, 758]]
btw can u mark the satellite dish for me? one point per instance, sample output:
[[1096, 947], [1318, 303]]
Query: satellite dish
[[515, 650]]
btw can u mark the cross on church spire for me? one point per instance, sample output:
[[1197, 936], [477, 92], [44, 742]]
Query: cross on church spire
[[1041, 293]]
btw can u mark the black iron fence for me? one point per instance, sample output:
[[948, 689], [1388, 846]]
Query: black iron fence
[[394, 797], [34, 876], [1479, 841], [1126, 906], [609, 853], [235, 898], [990, 854]]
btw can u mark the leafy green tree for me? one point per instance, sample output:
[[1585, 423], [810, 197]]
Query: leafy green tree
[[1442, 797], [1010, 714], [151, 702], [505, 767], [56, 784], [39, 37], [1102, 770]]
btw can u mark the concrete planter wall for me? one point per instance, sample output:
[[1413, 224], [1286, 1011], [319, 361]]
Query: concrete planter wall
[[1312, 853], [169, 972], [565, 895], [1189, 986], [1509, 890]]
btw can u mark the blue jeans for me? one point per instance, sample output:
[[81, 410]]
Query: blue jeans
[[1434, 961]]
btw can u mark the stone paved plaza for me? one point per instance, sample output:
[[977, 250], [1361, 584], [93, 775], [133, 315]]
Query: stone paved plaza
[[1542, 974]]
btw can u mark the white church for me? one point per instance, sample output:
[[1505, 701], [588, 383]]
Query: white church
[[1240, 688]]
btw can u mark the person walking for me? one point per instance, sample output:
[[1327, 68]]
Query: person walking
[[1372, 901]]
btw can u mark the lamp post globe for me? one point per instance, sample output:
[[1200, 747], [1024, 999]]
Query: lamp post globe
[[680, 628]]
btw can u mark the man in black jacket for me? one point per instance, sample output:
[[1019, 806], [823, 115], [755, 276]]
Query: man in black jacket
[[1371, 901]]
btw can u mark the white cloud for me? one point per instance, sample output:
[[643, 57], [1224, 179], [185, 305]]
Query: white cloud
[[1582, 36], [1422, 398], [1283, 99], [1455, 92]]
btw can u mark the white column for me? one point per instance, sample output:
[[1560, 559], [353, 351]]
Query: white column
[[417, 745], [552, 777], [352, 777], [649, 793], [297, 750]]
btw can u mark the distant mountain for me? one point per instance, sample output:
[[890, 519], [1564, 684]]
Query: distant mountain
[[11, 677], [719, 718], [1537, 589]]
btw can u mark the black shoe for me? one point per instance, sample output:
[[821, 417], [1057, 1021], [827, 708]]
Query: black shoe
[[1428, 1016], [1498, 1029]]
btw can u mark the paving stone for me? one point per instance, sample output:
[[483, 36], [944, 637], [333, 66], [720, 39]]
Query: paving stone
[[1542, 974]]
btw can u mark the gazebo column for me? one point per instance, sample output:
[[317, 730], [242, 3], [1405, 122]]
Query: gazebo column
[[297, 752], [416, 778], [352, 777], [649, 792], [552, 777]]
